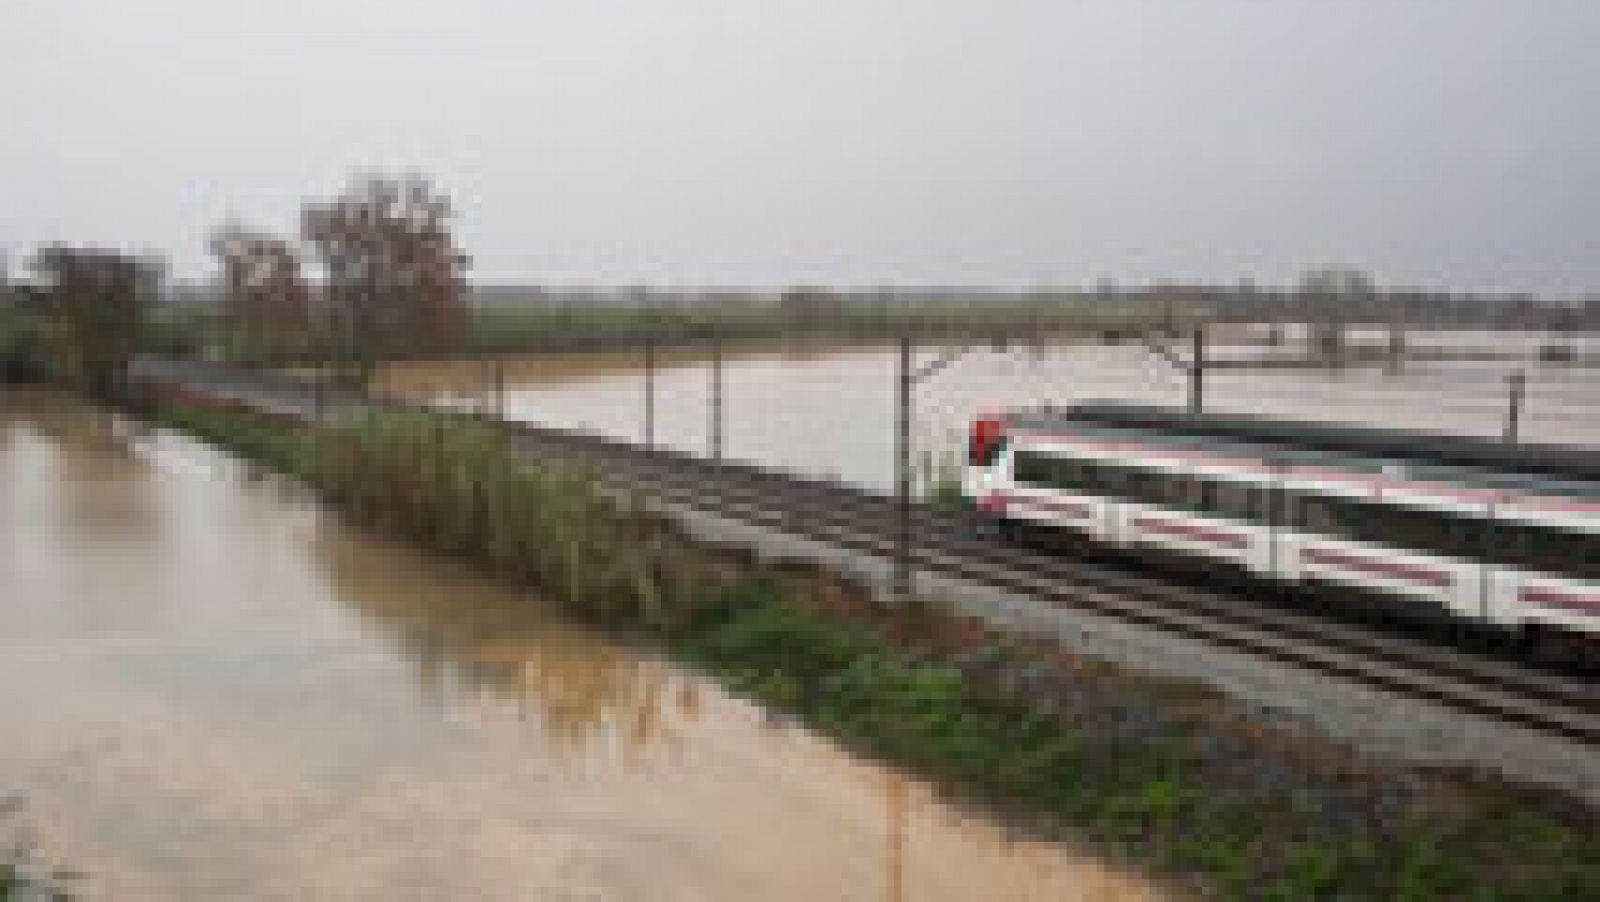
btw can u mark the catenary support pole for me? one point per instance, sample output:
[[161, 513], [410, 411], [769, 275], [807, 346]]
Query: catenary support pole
[[484, 400], [716, 398], [902, 474], [1397, 347], [650, 392], [896, 877], [1197, 371], [1516, 389], [499, 387]]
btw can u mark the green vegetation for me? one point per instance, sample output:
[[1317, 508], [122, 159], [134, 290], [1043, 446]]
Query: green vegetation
[[10, 882], [84, 321], [936, 474], [23, 877], [278, 445], [205, 330], [18, 885], [1155, 774], [509, 327], [91, 317], [13, 343]]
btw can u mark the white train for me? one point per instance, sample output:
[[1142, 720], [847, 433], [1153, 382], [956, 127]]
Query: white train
[[1477, 530]]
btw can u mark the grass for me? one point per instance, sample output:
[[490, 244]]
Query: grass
[[23, 877], [21, 881], [936, 474], [19, 347], [509, 326], [198, 329], [17, 884], [1153, 774]]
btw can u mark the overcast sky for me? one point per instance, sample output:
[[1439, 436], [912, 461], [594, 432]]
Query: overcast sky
[[1453, 143]]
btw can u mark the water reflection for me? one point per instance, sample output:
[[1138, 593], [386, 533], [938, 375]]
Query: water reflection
[[499, 653], [86, 457]]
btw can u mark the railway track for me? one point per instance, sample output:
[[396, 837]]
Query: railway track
[[947, 545]]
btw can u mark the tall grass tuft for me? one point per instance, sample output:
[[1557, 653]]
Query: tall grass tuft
[[457, 485], [936, 473]]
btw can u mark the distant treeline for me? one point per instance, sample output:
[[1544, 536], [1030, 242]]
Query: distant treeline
[[375, 273], [1354, 302], [1329, 297]]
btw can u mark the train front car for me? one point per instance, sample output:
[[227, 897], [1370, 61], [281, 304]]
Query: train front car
[[1460, 530]]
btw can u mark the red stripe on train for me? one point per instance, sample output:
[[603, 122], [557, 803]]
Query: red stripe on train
[[1438, 490], [1378, 566], [1072, 508], [1556, 598], [993, 503], [1192, 531], [1546, 503]]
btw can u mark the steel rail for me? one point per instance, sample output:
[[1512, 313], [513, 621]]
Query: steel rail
[[959, 529], [950, 537], [1548, 712]]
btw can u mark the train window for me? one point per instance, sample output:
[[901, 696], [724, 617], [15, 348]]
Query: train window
[[1427, 531], [1073, 475], [1137, 485], [1185, 492], [1103, 479], [1155, 488], [1236, 500], [1548, 549], [1031, 468], [1275, 505], [1066, 473], [1320, 515], [1160, 488], [1436, 531]]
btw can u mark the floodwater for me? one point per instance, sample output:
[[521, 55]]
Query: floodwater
[[210, 688], [831, 412]]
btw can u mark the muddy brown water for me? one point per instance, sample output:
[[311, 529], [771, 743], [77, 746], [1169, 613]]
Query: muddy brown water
[[830, 412], [211, 688]]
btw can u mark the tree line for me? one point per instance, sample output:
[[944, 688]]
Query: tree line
[[373, 272]]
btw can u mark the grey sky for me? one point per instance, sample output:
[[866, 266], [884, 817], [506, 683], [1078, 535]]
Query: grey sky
[[1440, 142]]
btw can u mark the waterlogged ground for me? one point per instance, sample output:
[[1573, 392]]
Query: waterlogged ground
[[831, 412], [212, 689]]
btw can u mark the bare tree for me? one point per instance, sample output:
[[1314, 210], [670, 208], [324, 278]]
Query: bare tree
[[263, 287], [394, 276], [94, 305], [1332, 297], [808, 306]]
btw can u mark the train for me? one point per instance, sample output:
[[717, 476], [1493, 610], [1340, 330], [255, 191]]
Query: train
[[1498, 536]]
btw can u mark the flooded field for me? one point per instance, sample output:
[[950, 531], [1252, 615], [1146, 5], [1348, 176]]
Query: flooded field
[[831, 412], [213, 689]]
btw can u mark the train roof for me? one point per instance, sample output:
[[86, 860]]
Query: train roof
[[1294, 438]]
